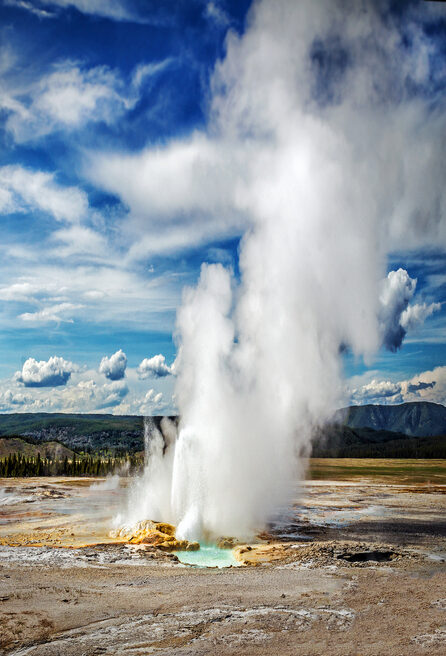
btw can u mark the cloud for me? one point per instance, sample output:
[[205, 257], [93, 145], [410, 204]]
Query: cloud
[[217, 15], [29, 6], [147, 70], [151, 403], [414, 315], [55, 313], [114, 367], [66, 98], [80, 241], [70, 95], [52, 373], [377, 392], [396, 316], [202, 175], [398, 289], [155, 367], [25, 190], [416, 387], [111, 394], [10, 398], [119, 10], [425, 386]]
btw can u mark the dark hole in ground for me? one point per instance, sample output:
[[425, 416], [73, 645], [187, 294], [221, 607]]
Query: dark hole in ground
[[364, 556]]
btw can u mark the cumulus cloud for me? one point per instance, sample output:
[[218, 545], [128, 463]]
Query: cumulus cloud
[[398, 289], [151, 403], [10, 398], [396, 315], [25, 190], [51, 373], [111, 394], [155, 367], [384, 391], [114, 367], [425, 386]]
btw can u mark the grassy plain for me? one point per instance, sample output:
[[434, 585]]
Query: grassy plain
[[394, 471]]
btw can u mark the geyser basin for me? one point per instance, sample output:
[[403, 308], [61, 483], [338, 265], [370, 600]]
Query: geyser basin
[[208, 555]]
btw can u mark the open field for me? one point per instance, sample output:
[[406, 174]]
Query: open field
[[395, 471], [355, 566]]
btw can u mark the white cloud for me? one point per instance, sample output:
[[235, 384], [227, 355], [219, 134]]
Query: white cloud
[[396, 315], [152, 403], [80, 241], [202, 176], [66, 98], [114, 367], [148, 70], [415, 315], [377, 391], [25, 190], [155, 367], [51, 373], [29, 6], [57, 313], [10, 398], [397, 290], [104, 292], [70, 95], [425, 386], [119, 10], [111, 394]]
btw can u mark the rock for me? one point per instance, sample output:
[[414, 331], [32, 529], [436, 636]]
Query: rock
[[227, 543], [193, 546], [159, 535]]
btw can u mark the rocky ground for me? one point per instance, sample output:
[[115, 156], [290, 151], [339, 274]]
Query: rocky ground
[[353, 570]]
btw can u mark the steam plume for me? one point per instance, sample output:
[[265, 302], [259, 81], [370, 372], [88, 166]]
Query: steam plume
[[324, 131]]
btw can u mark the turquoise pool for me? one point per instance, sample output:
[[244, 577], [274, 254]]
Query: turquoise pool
[[208, 556]]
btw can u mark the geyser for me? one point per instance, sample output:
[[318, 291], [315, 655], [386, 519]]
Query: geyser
[[323, 144]]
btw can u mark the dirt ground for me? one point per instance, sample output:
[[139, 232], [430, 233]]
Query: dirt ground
[[355, 568]]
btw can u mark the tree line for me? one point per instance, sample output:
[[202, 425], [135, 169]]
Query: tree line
[[17, 465]]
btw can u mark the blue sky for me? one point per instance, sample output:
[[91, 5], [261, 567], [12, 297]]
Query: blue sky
[[104, 106]]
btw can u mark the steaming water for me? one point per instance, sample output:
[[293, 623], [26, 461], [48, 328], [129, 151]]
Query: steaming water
[[208, 556], [327, 171]]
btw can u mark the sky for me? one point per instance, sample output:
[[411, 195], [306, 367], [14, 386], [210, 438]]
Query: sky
[[115, 187]]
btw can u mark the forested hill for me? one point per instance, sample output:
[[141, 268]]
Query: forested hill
[[80, 432], [419, 419], [406, 430]]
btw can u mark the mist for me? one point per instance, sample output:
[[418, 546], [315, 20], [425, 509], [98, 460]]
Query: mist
[[325, 140]]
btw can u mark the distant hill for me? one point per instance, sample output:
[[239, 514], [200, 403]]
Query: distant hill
[[51, 450], [80, 432], [413, 430], [338, 441], [419, 419]]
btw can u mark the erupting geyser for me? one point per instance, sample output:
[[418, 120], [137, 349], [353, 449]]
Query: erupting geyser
[[317, 143]]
